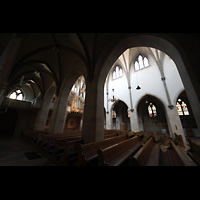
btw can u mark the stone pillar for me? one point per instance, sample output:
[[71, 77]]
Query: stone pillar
[[109, 123], [175, 124], [43, 113], [58, 118], [93, 120], [134, 121]]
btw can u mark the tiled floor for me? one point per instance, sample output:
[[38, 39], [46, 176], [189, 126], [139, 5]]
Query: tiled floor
[[12, 154]]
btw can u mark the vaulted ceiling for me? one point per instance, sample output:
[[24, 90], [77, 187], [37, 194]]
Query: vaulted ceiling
[[46, 58]]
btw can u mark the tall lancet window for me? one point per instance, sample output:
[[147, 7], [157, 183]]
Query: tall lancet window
[[141, 62], [117, 72], [182, 107], [152, 110]]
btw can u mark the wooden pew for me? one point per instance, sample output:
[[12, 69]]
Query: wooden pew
[[130, 134], [70, 153], [148, 155], [107, 132], [32, 136], [49, 142], [190, 132], [147, 135], [57, 141], [119, 153], [140, 134], [87, 154], [110, 135], [156, 136], [177, 157], [114, 133], [38, 137], [194, 151], [179, 140]]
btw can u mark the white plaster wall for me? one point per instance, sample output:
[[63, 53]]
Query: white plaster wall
[[173, 80], [149, 79]]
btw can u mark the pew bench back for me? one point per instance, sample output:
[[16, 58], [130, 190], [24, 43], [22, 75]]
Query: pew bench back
[[117, 154]]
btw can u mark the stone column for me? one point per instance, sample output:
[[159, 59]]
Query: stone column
[[175, 123], [58, 118], [43, 113], [109, 120], [134, 121], [93, 120]]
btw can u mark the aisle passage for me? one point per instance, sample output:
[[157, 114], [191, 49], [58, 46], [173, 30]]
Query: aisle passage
[[15, 152]]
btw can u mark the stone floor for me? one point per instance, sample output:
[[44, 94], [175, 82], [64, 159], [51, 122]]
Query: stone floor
[[12, 153]]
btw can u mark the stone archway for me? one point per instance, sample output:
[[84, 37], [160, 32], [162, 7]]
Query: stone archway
[[156, 122], [136, 41], [58, 119], [121, 120], [42, 116]]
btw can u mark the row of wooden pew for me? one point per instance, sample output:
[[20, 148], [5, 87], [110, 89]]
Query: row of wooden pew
[[178, 155], [120, 150], [59, 148], [65, 149], [194, 151], [117, 149]]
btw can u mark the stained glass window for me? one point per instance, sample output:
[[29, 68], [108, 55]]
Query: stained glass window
[[185, 109], [152, 110], [128, 113], [114, 114], [182, 107], [180, 112]]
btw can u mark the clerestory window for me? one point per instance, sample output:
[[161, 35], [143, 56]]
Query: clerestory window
[[117, 72], [141, 63]]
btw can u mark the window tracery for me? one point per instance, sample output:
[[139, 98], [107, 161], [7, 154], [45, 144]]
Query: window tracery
[[117, 72], [141, 63]]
